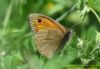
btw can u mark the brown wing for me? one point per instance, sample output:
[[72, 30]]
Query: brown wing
[[48, 41], [49, 34]]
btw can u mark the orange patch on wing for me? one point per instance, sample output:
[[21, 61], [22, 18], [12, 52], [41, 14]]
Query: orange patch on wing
[[47, 24]]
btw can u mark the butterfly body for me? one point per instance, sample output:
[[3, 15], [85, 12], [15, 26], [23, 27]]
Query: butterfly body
[[48, 34]]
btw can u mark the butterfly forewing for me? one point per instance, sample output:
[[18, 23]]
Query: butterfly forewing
[[48, 34]]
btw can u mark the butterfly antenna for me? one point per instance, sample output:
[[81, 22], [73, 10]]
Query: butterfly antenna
[[82, 18], [75, 25], [66, 13]]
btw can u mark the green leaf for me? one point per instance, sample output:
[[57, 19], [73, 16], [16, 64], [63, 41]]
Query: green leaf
[[95, 4], [98, 38]]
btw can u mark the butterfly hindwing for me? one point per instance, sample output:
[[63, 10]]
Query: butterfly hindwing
[[48, 41]]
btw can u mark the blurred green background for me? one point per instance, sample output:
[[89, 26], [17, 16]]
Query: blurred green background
[[17, 49]]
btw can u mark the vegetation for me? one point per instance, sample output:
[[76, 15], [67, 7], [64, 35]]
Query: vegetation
[[17, 49]]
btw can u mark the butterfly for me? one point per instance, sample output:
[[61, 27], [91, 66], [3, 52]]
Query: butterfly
[[49, 35]]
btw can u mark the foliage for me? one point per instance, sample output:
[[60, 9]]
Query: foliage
[[17, 49]]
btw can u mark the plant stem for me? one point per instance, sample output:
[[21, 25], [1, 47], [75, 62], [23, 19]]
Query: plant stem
[[7, 15], [95, 14], [65, 14]]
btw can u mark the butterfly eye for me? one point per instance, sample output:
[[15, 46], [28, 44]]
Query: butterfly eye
[[39, 20]]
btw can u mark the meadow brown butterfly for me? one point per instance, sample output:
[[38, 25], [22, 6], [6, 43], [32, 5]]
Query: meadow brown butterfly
[[49, 35]]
